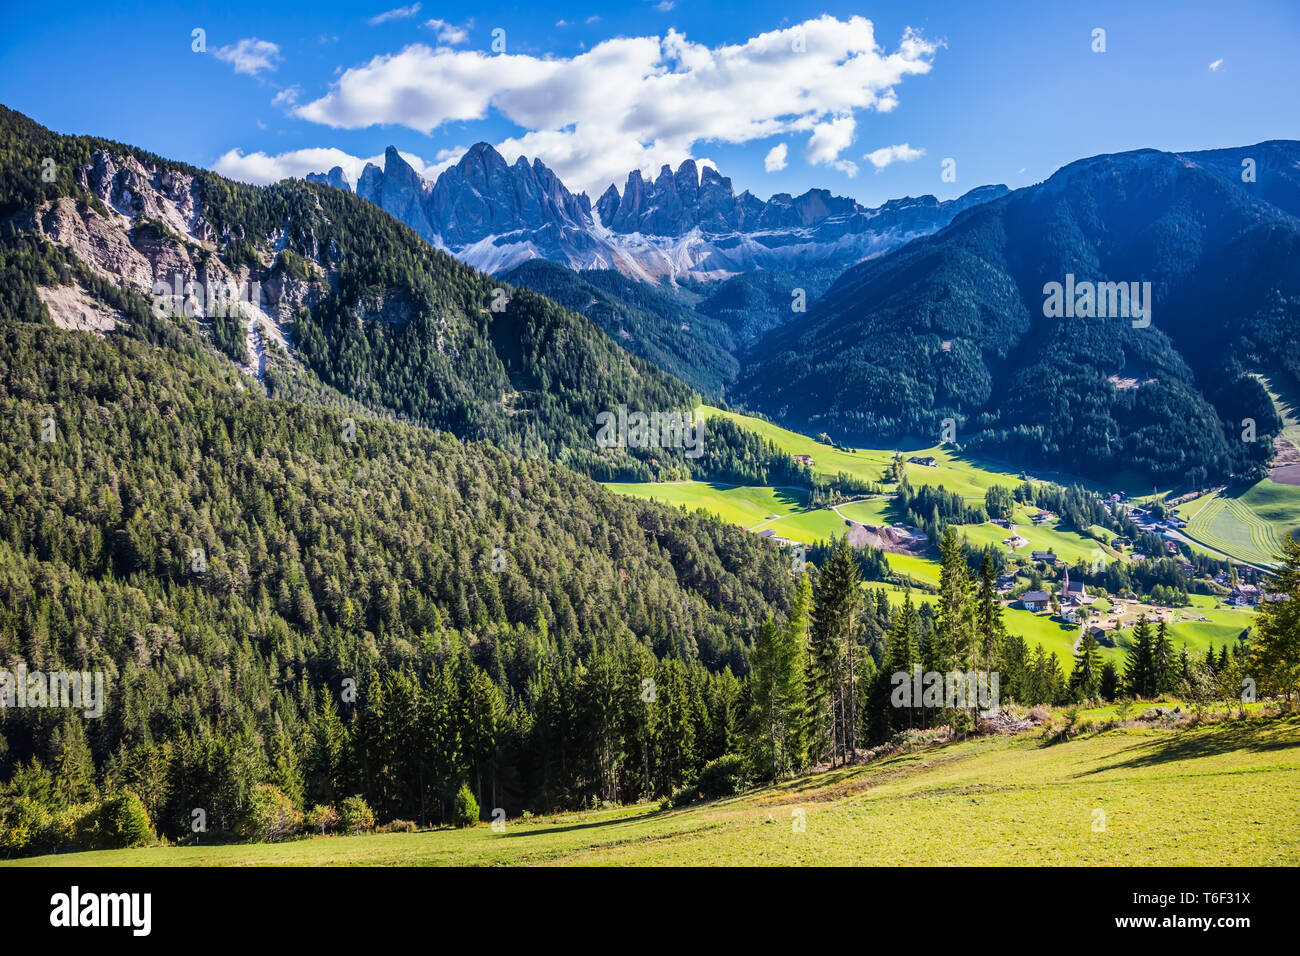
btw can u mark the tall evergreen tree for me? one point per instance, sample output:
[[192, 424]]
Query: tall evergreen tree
[[834, 646], [1275, 648], [1085, 680], [1139, 675]]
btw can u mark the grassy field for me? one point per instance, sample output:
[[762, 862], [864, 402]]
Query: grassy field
[[1286, 402], [744, 505], [1243, 525], [1278, 505], [1231, 527], [1216, 795], [1069, 546], [1247, 524], [956, 473]]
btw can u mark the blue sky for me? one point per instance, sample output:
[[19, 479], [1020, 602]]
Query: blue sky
[[1010, 91]]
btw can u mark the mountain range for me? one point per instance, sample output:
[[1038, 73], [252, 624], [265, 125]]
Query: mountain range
[[957, 325], [494, 215], [947, 336]]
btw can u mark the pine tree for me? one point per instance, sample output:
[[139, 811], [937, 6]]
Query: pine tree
[[792, 684], [990, 630], [901, 655], [955, 613], [765, 723], [1109, 686], [1140, 675], [1164, 668], [833, 667], [1275, 648], [1085, 681]]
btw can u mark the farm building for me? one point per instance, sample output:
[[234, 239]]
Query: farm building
[[1035, 600]]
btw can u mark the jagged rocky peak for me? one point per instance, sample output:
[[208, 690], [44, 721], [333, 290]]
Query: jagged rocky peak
[[333, 178], [495, 214]]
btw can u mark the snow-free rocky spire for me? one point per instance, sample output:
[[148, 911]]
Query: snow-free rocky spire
[[495, 214]]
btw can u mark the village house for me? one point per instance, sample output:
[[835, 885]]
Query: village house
[[927, 460], [1035, 600], [804, 460], [1245, 595], [1014, 540], [1047, 556]]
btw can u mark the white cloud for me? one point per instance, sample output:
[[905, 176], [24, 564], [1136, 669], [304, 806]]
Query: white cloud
[[261, 168], [830, 139], [775, 158], [639, 102], [663, 6], [901, 153], [1214, 67], [287, 96], [250, 55], [594, 18], [400, 13], [448, 33]]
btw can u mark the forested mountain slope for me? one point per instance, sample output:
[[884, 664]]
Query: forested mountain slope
[[656, 322], [233, 564], [954, 325], [347, 294]]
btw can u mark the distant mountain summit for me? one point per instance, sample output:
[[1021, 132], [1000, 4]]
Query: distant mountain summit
[[1183, 275], [494, 215]]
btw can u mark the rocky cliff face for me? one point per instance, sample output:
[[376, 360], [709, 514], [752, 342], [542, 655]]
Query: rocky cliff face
[[494, 215], [150, 230]]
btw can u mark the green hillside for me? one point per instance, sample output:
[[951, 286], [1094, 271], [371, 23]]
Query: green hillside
[[979, 795]]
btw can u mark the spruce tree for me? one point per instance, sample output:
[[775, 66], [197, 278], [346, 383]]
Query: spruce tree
[[833, 668], [1085, 681], [1164, 666], [1275, 648], [1139, 675]]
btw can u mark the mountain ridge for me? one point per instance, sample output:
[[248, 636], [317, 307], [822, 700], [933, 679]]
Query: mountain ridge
[[954, 326], [495, 215]]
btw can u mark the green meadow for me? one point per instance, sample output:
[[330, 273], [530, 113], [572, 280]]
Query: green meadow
[[1249, 526], [1243, 524], [1099, 799], [956, 473], [746, 506]]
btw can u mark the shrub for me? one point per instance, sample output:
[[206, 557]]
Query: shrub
[[397, 826], [464, 809], [355, 816], [22, 821], [322, 818], [123, 822], [269, 816], [723, 777], [685, 796]]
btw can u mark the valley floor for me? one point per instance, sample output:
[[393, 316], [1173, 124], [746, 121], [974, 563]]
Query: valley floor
[[1225, 794]]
